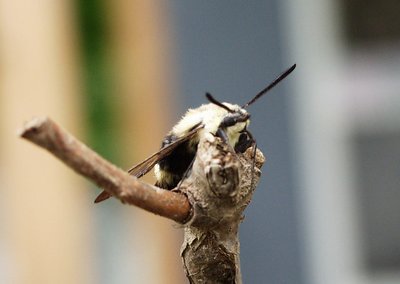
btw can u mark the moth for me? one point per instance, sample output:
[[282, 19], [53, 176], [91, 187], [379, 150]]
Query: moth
[[173, 161]]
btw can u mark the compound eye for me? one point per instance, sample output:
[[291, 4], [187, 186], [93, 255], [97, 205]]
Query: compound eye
[[244, 142]]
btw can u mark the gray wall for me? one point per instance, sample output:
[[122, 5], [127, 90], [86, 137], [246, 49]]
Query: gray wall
[[233, 49]]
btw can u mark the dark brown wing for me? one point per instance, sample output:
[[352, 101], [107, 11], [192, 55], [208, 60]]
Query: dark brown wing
[[144, 167]]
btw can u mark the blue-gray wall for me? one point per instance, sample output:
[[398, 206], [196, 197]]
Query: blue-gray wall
[[233, 49]]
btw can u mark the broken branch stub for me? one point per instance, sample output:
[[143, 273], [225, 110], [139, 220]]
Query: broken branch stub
[[219, 188]]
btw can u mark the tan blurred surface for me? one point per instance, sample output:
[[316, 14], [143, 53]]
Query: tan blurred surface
[[47, 232], [144, 85], [45, 217]]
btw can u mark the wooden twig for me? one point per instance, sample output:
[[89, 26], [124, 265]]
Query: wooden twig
[[47, 134], [219, 188], [210, 203]]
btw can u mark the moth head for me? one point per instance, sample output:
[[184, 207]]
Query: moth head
[[233, 123], [235, 114], [237, 119]]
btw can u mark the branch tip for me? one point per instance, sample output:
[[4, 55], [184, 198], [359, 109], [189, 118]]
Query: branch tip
[[45, 133], [32, 126]]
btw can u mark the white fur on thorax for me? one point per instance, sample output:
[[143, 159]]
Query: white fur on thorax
[[211, 116]]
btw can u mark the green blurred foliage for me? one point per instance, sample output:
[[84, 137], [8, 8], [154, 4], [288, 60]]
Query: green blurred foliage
[[100, 112]]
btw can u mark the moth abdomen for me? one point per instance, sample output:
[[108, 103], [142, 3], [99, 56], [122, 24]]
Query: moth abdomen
[[171, 169]]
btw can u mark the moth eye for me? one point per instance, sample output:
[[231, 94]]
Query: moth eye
[[244, 143]]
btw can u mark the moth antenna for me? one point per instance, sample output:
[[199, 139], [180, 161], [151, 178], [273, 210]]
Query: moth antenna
[[271, 85], [214, 101]]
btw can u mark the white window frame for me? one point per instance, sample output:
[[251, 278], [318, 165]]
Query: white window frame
[[323, 123]]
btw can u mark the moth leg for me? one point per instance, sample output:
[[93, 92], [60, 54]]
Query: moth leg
[[228, 121], [233, 119], [222, 134], [253, 142]]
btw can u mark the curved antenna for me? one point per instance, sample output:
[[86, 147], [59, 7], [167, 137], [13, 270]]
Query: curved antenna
[[214, 101], [270, 86]]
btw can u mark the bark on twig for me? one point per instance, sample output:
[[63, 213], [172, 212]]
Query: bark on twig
[[210, 202], [47, 134], [219, 189]]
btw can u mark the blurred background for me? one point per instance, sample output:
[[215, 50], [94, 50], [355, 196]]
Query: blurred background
[[119, 74]]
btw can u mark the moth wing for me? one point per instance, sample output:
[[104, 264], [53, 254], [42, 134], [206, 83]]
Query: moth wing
[[144, 167]]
